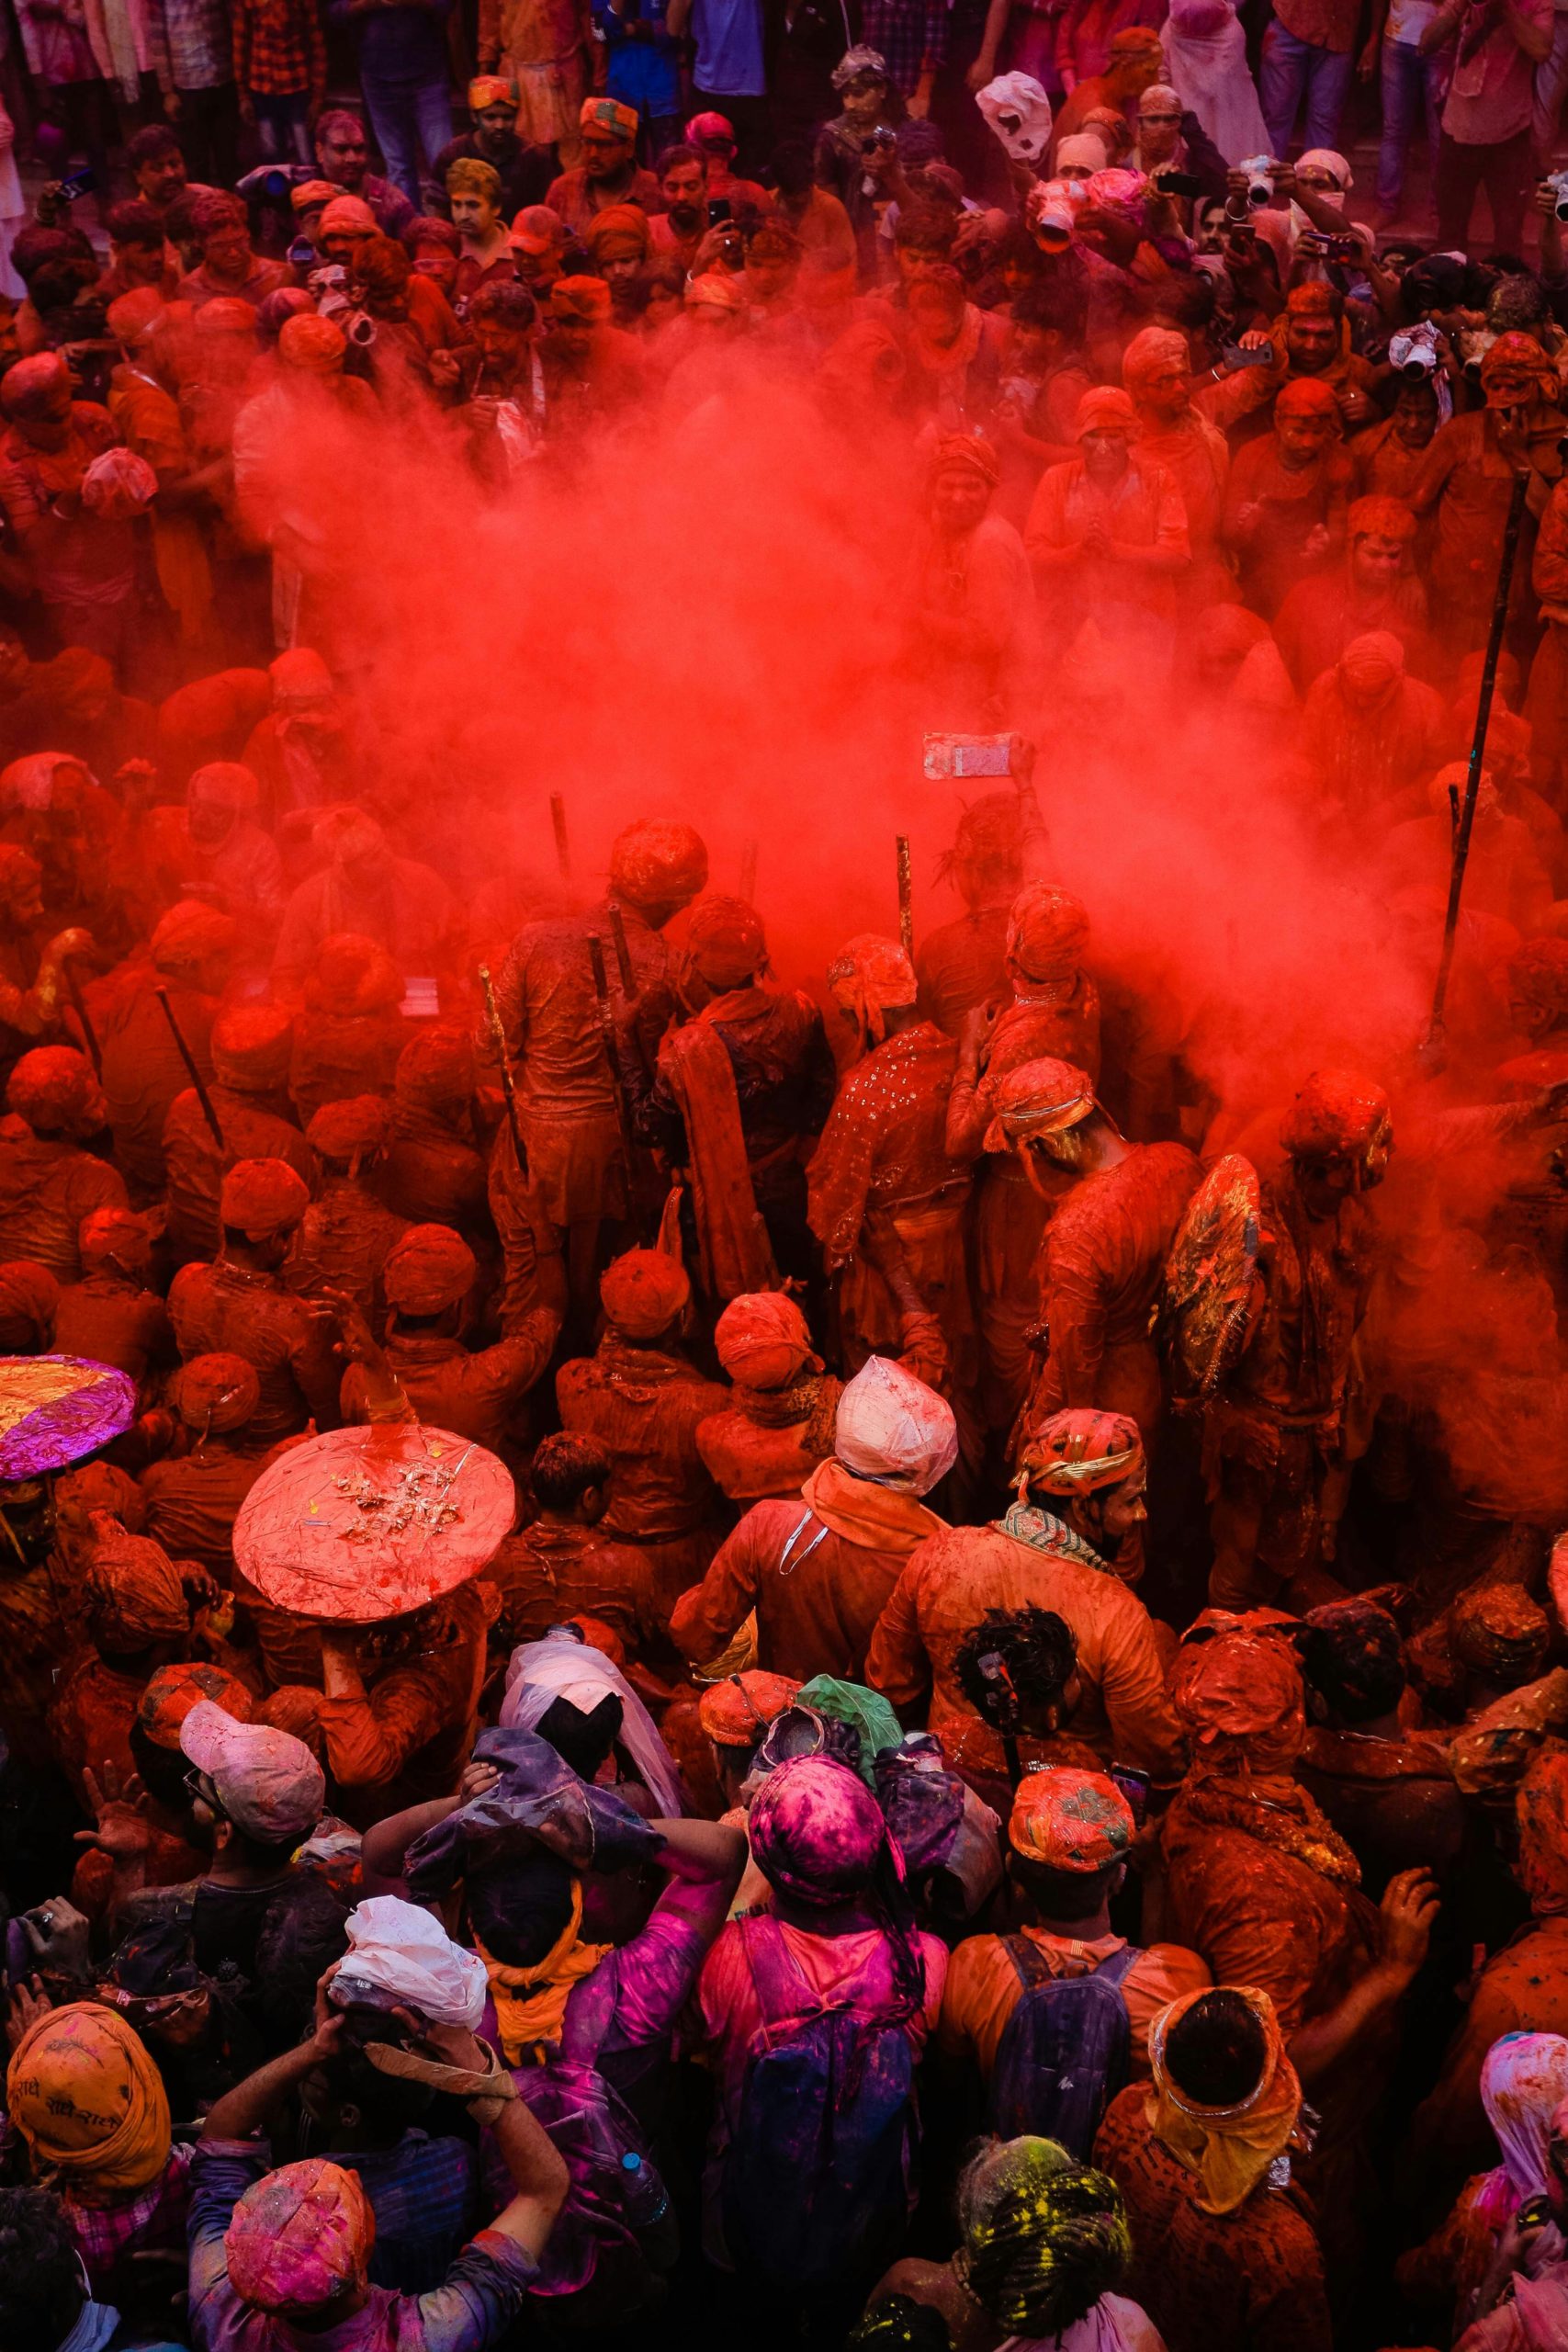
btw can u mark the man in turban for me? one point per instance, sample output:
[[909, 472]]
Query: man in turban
[[1108, 529], [1310, 338], [605, 135], [886, 1196], [549, 1015], [1081, 1506], [301, 752], [561, 1564], [214, 848], [363, 886], [1286, 502], [778, 1424], [1377, 589], [643, 1400], [428, 1278], [962, 965], [592, 368], [142, 1070], [113, 1314], [1467, 479], [81, 561], [740, 1091], [239, 1305], [194, 1496], [249, 1047], [348, 1231], [525, 169], [49, 1182], [1104, 1252], [1370, 731], [972, 636], [1157, 371], [819, 1565]]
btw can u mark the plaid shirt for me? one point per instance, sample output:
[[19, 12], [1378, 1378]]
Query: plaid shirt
[[910, 35], [191, 44], [280, 48], [425, 2194], [151, 2222]]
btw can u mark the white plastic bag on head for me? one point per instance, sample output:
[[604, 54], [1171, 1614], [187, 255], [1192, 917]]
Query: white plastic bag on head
[[403, 1954], [1019, 113], [892, 1427]]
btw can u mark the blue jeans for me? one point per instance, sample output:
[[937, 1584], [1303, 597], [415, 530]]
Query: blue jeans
[[1412, 86], [408, 117], [1291, 69]]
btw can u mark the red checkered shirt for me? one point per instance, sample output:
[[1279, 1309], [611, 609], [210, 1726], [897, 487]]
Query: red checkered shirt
[[280, 47]]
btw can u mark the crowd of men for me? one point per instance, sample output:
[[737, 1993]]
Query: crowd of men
[[942, 1718]]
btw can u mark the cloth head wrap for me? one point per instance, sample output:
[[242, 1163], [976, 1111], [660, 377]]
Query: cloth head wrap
[[1044, 1097], [224, 784], [53, 1089], [1070, 1820], [1540, 1809], [429, 1269], [715, 290], [260, 1197], [215, 1393], [130, 316], [1524, 2080], [79, 1495], [300, 2237], [404, 1954], [352, 976], [1080, 150], [872, 977], [349, 216], [656, 862], [1152, 349], [1047, 935], [1043, 2238], [1306, 396], [268, 1783], [858, 62], [437, 1070], [1082, 1450], [894, 1429], [643, 1291], [726, 941], [173, 1690], [118, 485], [817, 1831], [1354, 1649], [190, 935], [35, 387], [867, 1714], [587, 299], [1325, 159], [251, 1046], [608, 114], [562, 1667], [226, 315], [312, 346], [763, 1340], [1229, 2148], [115, 1238], [1104, 409], [968, 453], [1372, 662], [306, 195], [83, 2092], [28, 1297], [1017, 110], [737, 1711], [1337, 1111], [1497, 1630], [300, 680], [1510, 355], [44, 780], [347, 1129], [490, 90], [1380, 517], [618, 233], [1240, 1699]]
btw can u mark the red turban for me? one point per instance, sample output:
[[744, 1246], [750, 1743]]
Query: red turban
[[250, 1047], [224, 784], [191, 934], [299, 2238], [1240, 1698], [343, 1130], [586, 299], [970, 452], [1081, 1450], [724, 940], [29, 1297], [348, 216], [1047, 935], [1517, 355], [132, 1588], [619, 232], [429, 1269], [226, 315], [261, 1197], [436, 1069], [1374, 661], [1306, 396], [1070, 1820], [35, 387], [1104, 409], [737, 1711], [658, 863], [1335, 1112], [1044, 1097], [817, 1831], [130, 315], [53, 1089], [80, 1495], [313, 345], [173, 1690], [872, 977], [763, 1340], [353, 975], [608, 114], [643, 1291], [1378, 517], [217, 1393], [1152, 349]]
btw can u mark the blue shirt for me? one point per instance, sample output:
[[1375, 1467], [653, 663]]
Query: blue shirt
[[728, 34], [641, 73]]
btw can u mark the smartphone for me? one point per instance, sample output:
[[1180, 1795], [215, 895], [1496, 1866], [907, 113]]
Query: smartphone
[[1234, 356], [76, 184], [1178, 183], [1134, 1786], [719, 211]]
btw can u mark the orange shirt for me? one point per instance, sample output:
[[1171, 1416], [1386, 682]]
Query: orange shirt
[[982, 1989]]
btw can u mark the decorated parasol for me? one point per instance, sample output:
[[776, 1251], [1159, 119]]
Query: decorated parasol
[[367, 1523], [53, 1410]]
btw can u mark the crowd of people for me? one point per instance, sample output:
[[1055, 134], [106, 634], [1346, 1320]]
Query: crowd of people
[[873, 1657]]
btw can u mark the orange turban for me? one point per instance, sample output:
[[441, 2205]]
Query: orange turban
[[619, 232], [1150, 350], [1044, 1097], [490, 90], [132, 1589], [971, 451], [1378, 517], [1082, 1450], [311, 344], [643, 1291], [251, 1047], [737, 1711], [83, 2092], [724, 940], [872, 977], [1070, 1820], [1047, 935], [1240, 1698], [428, 1269], [1104, 408], [300, 2237], [260, 1197], [53, 1089], [658, 862], [763, 1340], [173, 1690], [1231, 2148], [608, 114], [583, 299], [215, 1393]]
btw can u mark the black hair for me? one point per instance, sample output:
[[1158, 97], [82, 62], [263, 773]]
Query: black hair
[[1352, 1655], [1059, 302], [519, 1910], [303, 1933], [1214, 2052], [163, 1769], [1036, 1652], [565, 1465], [791, 166], [897, 2323], [40, 2278], [1064, 1895], [134, 224], [506, 300], [153, 139], [673, 157], [389, 2105]]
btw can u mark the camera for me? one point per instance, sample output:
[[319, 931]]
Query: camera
[[1415, 354], [875, 141], [1259, 171], [1558, 183]]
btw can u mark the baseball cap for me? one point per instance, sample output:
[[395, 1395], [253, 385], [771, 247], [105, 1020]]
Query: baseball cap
[[268, 1783]]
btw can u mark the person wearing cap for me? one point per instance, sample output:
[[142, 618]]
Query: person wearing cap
[[1287, 495], [435, 1170], [1226, 2253], [428, 1280], [80, 564], [302, 752], [492, 138], [778, 1424], [1110, 526], [142, 1070], [819, 1566], [249, 1047], [1090, 1468], [643, 1400], [713, 137], [194, 1495], [562, 1564], [549, 1016], [112, 1315], [348, 1231], [239, 1305], [48, 1182], [1069, 1835], [605, 136], [212, 848]]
